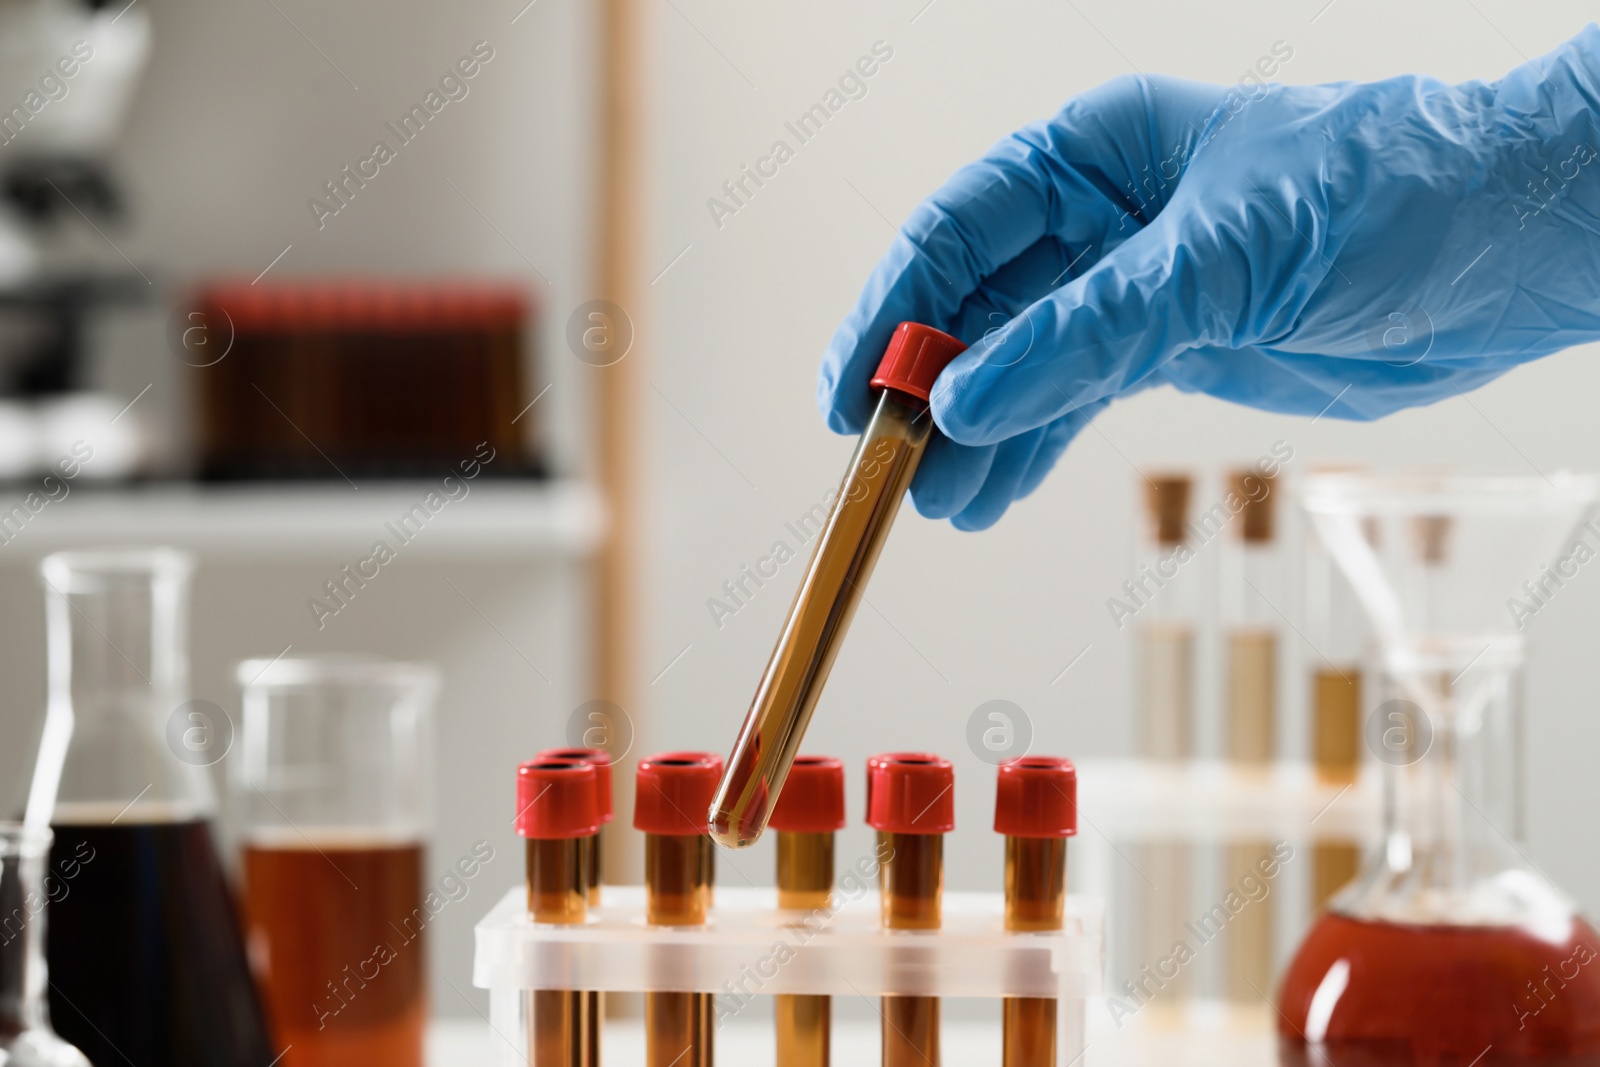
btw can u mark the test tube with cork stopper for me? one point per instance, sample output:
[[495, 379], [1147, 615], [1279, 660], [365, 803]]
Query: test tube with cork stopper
[[672, 792], [1252, 591], [862, 510], [1036, 808], [805, 819], [557, 814], [1167, 598], [912, 806]]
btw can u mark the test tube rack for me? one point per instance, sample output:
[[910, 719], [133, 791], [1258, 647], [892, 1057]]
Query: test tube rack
[[751, 948]]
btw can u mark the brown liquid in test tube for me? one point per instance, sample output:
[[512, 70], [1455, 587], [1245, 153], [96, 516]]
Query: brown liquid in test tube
[[912, 806], [593, 850], [1252, 667], [810, 811], [868, 499], [1036, 808], [558, 813], [671, 793]]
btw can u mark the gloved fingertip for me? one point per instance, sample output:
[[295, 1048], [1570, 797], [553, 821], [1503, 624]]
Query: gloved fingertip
[[973, 520]]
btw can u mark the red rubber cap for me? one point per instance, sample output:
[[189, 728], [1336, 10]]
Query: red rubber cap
[[812, 801], [601, 759], [911, 793], [673, 791], [914, 358], [1037, 796], [556, 799]]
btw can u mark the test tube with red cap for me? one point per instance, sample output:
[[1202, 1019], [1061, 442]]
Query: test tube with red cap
[[556, 812], [858, 524], [594, 861], [671, 794], [1036, 808], [593, 850], [912, 807], [806, 817]]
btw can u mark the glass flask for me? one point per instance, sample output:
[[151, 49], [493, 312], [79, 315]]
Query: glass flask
[[146, 962], [331, 792], [26, 887], [1449, 947]]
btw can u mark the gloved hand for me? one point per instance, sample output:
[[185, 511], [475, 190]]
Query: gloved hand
[[1346, 249]]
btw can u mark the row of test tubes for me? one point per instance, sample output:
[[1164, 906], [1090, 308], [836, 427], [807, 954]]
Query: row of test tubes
[[1253, 607], [564, 798]]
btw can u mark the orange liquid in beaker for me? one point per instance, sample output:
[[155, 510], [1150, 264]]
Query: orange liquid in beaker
[[1441, 996], [335, 933]]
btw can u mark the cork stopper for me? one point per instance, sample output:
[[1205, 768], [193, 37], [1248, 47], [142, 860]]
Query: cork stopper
[[1166, 497], [1431, 535], [1259, 493]]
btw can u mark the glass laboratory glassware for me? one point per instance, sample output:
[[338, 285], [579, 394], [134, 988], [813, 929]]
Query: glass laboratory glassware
[[1166, 593], [1336, 631], [863, 509], [1252, 587], [1448, 948], [331, 790], [26, 887], [146, 961]]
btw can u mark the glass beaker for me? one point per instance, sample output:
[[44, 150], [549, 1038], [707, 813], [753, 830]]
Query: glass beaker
[[146, 962], [331, 788], [1449, 947], [26, 1039]]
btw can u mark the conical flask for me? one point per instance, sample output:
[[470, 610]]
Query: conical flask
[[1449, 947], [145, 958]]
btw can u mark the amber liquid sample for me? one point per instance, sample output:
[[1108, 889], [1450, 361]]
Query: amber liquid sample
[[1036, 897], [336, 929], [805, 883], [1163, 894], [830, 591], [1252, 701], [1252, 695], [678, 1026], [911, 878], [146, 962], [563, 1030], [1336, 753], [1167, 715], [1441, 996], [1167, 690]]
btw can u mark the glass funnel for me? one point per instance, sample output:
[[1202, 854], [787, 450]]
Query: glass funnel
[[146, 961], [1449, 947]]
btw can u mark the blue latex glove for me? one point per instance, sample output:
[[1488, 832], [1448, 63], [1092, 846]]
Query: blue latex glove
[[1343, 249]]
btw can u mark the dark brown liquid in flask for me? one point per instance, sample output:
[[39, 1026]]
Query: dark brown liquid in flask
[[881, 470], [146, 963]]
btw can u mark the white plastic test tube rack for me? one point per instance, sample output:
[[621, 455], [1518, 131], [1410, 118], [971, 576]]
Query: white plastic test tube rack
[[750, 948]]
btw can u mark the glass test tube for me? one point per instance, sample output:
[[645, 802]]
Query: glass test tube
[[558, 813], [1335, 629], [865, 505], [806, 818], [1252, 594], [1036, 808], [672, 792], [1170, 607], [912, 808], [593, 853], [593, 849]]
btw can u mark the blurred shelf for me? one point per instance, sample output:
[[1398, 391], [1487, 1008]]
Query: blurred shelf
[[1212, 800], [292, 520]]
